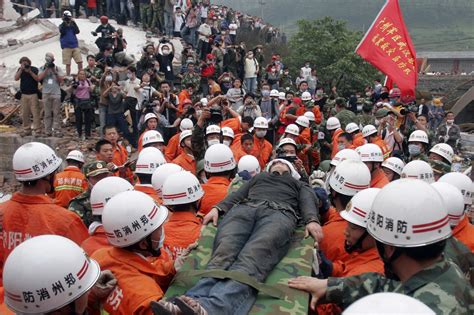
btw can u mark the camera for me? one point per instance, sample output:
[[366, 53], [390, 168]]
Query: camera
[[216, 116], [281, 155], [164, 41], [27, 66], [409, 109], [50, 65]]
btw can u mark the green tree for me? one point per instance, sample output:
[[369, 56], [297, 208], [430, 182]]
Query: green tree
[[329, 46]]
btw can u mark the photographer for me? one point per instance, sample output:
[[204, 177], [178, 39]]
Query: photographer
[[106, 31], [94, 74], [147, 61], [115, 110], [69, 44], [169, 101], [28, 77], [146, 95], [52, 78], [107, 79], [82, 91], [165, 57], [286, 150], [106, 58], [250, 107]]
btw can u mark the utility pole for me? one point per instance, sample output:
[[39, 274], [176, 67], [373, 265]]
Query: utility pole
[[262, 3]]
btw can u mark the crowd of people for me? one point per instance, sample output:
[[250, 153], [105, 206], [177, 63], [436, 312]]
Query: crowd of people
[[230, 139]]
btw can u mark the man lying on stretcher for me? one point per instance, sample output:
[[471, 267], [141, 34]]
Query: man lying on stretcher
[[254, 235]]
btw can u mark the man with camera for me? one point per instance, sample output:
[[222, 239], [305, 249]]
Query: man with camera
[[52, 77], [68, 30], [28, 77]]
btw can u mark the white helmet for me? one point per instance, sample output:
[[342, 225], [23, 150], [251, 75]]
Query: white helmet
[[462, 182], [130, 216], [161, 174], [260, 122], [345, 154], [310, 116], [250, 164], [105, 189], [408, 213], [292, 129], [34, 160], [444, 150], [370, 152], [350, 177], [388, 303], [152, 136], [228, 132], [418, 169], [286, 141], [352, 127], [394, 164], [75, 155], [306, 96], [219, 158], [183, 135], [418, 136], [45, 273], [333, 123], [357, 210], [274, 93], [186, 124], [181, 188], [149, 116], [368, 130], [149, 160], [212, 129], [203, 101], [303, 121], [453, 199], [282, 96]]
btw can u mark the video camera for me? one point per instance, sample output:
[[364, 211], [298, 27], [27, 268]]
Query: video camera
[[410, 108]]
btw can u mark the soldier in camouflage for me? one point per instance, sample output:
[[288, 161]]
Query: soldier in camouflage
[[439, 168], [94, 74], [366, 118], [344, 115], [81, 204], [191, 77], [410, 224]]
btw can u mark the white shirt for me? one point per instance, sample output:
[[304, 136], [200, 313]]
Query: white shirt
[[206, 30], [129, 88], [178, 22], [233, 29]]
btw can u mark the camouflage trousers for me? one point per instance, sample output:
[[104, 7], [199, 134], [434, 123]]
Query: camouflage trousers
[[146, 15], [251, 239], [157, 17]]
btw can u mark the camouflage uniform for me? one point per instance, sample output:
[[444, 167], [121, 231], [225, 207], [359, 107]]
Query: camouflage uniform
[[345, 116], [365, 119], [285, 82], [440, 286], [158, 12], [439, 168], [191, 78], [81, 205], [96, 73], [422, 157]]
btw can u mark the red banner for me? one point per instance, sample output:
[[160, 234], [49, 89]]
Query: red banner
[[388, 47]]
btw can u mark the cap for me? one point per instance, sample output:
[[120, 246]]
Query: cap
[[381, 113], [67, 13], [95, 168]]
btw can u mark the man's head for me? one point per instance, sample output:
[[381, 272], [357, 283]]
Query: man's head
[[247, 143], [450, 118], [344, 141], [104, 150], [95, 171], [280, 167], [49, 57], [25, 61], [91, 61], [111, 134], [303, 86], [165, 87]]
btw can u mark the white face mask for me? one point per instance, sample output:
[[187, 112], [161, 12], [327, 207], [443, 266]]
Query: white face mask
[[159, 244], [108, 78], [212, 142], [450, 121], [260, 133], [227, 142], [341, 147]]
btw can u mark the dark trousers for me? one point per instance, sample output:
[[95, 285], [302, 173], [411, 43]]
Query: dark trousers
[[119, 121], [130, 104], [251, 240], [84, 113]]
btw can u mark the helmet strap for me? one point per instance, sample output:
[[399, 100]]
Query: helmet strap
[[388, 262], [357, 245]]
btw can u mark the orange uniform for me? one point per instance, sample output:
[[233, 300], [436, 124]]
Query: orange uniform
[[318, 117], [232, 123], [120, 157], [4, 310], [186, 161], [464, 232], [182, 230], [140, 141], [379, 179], [333, 241], [25, 216], [96, 241], [335, 137], [173, 149], [68, 184], [358, 140], [140, 280], [262, 150], [238, 153], [383, 146], [150, 191], [215, 190], [183, 96]]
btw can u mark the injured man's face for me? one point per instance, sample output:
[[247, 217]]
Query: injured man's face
[[280, 168]]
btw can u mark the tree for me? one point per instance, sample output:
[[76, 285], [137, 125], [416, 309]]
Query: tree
[[329, 46]]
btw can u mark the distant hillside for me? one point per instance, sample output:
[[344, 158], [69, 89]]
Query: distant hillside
[[434, 25]]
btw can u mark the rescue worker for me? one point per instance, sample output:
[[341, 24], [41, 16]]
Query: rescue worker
[[173, 149], [153, 138], [418, 169], [334, 127], [133, 224], [183, 228], [213, 135], [58, 283], [148, 161], [262, 149], [186, 158], [245, 148], [247, 168], [412, 252], [161, 174], [292, 131], [344, 115], [357, 137], [30, 212], [418, 145], [371, 136], [104, 151], [101, 193], [120, 159], [150, 122], [371, 155], [81, 205], [349, 177], [227, 136], [71, 181], [219, 165], [287, 150], [393, 167], [442, 152]]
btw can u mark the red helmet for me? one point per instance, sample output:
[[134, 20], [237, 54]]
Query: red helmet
[[395, 92], [297, 100], [104, 19]]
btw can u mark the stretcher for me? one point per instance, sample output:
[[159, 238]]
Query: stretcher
[[274, 297]]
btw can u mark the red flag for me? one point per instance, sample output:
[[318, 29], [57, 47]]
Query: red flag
[[388, 47]]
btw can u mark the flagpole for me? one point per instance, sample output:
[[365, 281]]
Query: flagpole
[[371, 25]]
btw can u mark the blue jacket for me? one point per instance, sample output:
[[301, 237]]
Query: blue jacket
[[68, 38]]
